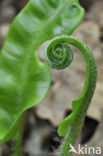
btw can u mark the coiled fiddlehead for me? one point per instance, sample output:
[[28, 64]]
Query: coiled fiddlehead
[[58, 55]]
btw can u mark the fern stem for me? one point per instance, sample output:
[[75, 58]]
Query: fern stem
[[59, 56], [65, 147], [0, 149], [72, 135], [17, 142]]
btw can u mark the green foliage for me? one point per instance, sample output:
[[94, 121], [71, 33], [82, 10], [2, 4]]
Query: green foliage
[[72, 124], [24, 80]]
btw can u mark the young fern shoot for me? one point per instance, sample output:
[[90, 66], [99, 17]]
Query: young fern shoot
[[58, 56]]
